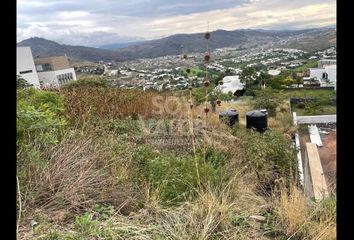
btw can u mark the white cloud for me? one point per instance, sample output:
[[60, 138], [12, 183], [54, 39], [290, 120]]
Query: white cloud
[[115, 21]]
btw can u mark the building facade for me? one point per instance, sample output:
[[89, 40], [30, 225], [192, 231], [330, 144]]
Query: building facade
[[26, 67], [325, 75], [54, 71], [323, 62]]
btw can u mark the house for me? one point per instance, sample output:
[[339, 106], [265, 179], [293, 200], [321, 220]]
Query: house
[[232, 84], [54, 71], [327, 75], [26, 67], [274, 72]]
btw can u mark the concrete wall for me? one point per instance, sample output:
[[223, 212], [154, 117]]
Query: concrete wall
[[63, 72], [314, 180], [300, 168], [47, 77], [317, 73], [50, 78], [25, 63], [316, 119]]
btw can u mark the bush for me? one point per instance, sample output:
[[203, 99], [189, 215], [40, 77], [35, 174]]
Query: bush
[[22, 83], [313, 108], [174, 177], [87, 82], [39, 116], [270, 154], [267, 100]]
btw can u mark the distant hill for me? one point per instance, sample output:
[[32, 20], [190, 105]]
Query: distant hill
[[119, 45], [43, 48], [308, 39], [314, 40]]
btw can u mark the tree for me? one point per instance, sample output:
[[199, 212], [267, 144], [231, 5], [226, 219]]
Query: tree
[[228, 72], [264, 78], [288, 81], [249, 78], [297, 79], [219, 78], [280, 82], [267, 99]]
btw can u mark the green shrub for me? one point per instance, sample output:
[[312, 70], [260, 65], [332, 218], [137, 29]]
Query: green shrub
[[22, 83], [87, 82], [39, 116], [175, 177], [313, 108], [267, 99], [84, 224], [270, 154], [105, 211]]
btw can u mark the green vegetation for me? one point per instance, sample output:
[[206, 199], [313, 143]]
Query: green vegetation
[[323, 104], [309, 64], [267, 99], [86, 170], [21, 82]]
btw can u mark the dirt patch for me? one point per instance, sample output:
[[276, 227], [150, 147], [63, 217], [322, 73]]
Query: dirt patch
[[328, 156]]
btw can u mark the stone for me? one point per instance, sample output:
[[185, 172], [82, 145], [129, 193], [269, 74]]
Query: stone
[[257, 218]]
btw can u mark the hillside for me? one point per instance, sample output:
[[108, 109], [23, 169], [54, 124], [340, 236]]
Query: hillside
[[308, 39], [314, 40], [98, 162], [43, 47]]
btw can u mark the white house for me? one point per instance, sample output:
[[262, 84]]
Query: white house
[[25, 66], [232, 84], [274, 72], [54, 71], [325, 76]]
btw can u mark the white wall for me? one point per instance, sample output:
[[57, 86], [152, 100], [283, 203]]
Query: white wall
[[317, 72], [24, 63], [49, 78], [67, 70], [332, 72]]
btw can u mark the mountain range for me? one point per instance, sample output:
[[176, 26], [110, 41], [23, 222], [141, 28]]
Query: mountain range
[[307, 39]]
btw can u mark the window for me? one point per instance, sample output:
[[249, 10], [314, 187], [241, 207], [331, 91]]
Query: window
[[324, 75], [43, 67], [39, 68], [27, 71], [60, 79]]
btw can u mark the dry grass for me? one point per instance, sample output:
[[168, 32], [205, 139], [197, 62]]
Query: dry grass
[[108, 103], [96, 168], [301, 218], [283, 122], [211, 213], [292, 209], [79, 172]]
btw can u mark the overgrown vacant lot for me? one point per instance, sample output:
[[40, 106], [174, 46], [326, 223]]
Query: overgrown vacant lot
[[87, 169]]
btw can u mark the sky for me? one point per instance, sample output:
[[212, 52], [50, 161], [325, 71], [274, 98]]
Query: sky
[[99, 22]]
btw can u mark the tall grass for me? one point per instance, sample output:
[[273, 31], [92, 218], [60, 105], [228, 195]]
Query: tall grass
[[301, 218], [82, 103]]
